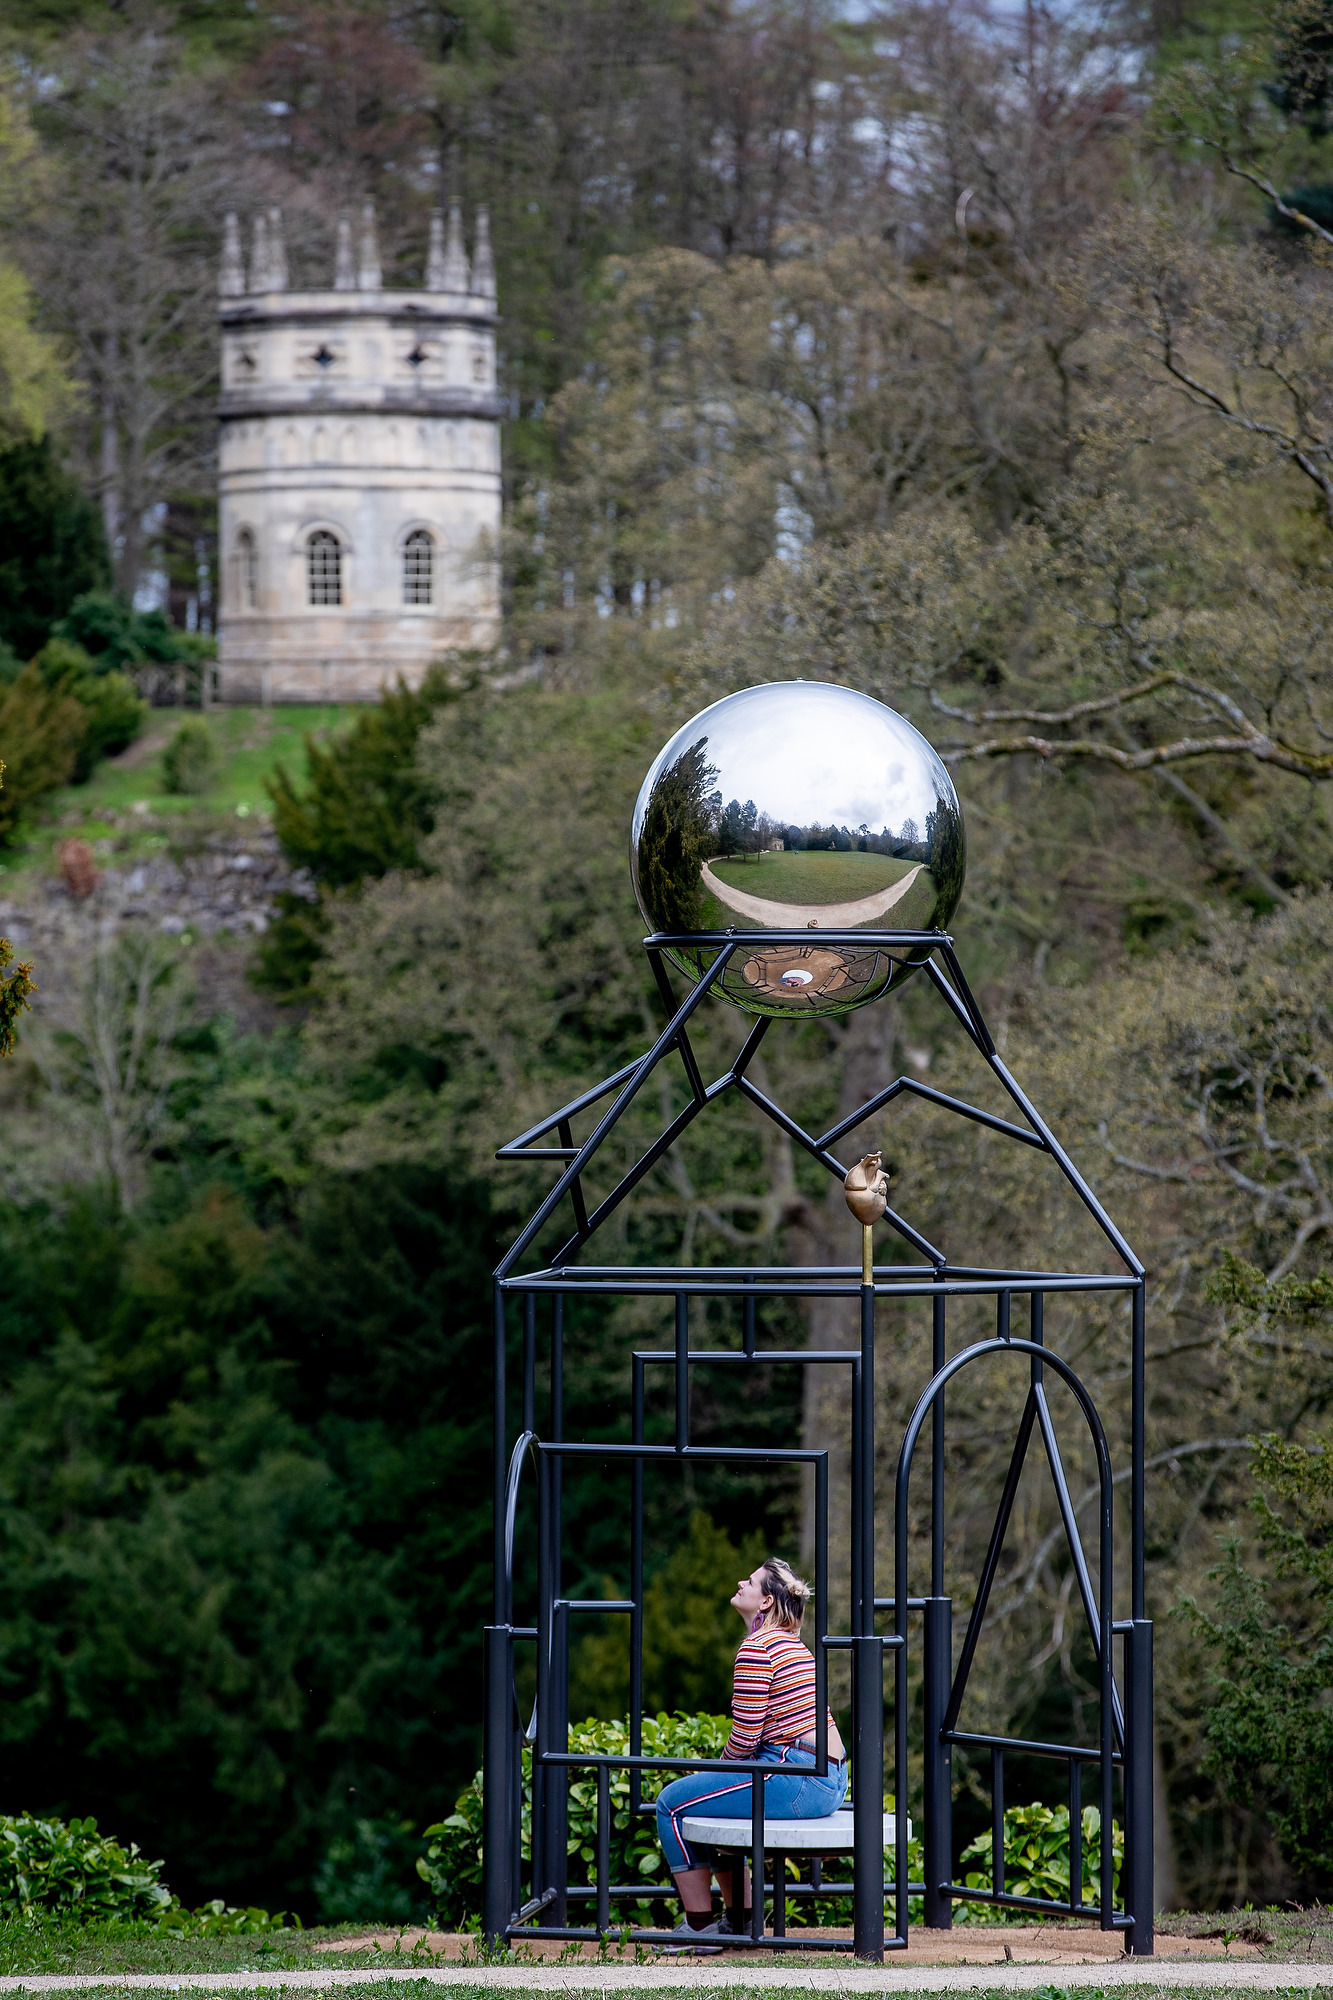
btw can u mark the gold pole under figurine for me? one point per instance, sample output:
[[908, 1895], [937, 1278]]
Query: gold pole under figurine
[[867, 1190]]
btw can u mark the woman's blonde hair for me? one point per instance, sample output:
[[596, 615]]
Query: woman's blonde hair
[[789, 1592]]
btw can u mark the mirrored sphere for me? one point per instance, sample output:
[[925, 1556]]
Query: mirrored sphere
[[799, 806]]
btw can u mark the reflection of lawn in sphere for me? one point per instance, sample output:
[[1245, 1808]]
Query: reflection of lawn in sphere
[[815, 877]]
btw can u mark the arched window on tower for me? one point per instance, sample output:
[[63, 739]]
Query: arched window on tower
[[324, 568], [247, 571], [419, 568]]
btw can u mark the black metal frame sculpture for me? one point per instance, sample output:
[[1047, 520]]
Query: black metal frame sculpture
[[1125, 1732]]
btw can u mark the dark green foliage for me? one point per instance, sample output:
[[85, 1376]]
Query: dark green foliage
[[240, 1590], [190, 760], [1303, 59], [291, 947], [113, 712], [360, 814], [1270, 1732], [1315, 201], [41, 735], [364, 806], [52, 546], [369, 1876], [15, 988], [108, 627]]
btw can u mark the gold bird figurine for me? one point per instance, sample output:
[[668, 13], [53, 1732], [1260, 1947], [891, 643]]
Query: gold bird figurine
[[867, 1190]]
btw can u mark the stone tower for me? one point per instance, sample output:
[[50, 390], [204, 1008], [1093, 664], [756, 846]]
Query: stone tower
[[359, 469]]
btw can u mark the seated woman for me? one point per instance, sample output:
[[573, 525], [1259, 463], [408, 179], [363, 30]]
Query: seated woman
[[773, 1722]]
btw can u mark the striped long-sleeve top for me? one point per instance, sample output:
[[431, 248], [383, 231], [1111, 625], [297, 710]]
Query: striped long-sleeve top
[[773, 1695]]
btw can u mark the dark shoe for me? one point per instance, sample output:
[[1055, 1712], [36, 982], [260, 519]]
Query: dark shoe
[[688, 1936]]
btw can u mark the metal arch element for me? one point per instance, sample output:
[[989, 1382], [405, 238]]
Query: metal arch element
[[934, 1392], [1125, 1741], [527, 1442]]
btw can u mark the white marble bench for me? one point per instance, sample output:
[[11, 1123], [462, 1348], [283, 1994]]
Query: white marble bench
[[833, 1834]]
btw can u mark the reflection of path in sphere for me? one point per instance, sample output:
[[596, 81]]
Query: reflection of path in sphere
[[790, 916]]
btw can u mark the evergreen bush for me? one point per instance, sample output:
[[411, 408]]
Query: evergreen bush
[[190, 759]]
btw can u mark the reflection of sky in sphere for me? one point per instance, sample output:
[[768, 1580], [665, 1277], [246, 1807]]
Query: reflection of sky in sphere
[[809, 754]]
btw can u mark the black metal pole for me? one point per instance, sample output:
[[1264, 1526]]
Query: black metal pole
[[854, 1505], [603, 1849], [1138, 1785], [636, 1590], [756, 1854], [937, 1844], [557, 1776], [868, 1795], [1138, 1420], [541, 1880], [497, 1888], [997, 1820], [500, 1449], [530, 1361], [939, 1355], [867, 1659]]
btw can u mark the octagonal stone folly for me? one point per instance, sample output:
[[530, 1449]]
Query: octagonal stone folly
[[359, 467]]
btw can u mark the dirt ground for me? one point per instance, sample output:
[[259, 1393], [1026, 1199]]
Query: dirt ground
[[971, 1944]]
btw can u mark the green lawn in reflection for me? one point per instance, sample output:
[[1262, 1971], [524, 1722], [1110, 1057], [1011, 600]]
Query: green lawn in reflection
[[815, 877]]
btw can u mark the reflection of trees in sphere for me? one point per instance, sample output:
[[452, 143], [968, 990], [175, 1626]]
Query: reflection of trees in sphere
[[799, 806]]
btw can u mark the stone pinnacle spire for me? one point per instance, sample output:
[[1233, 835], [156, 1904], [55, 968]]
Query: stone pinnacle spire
[[277, 252], [368, 272], [483, 263], [259, 257], [456, 276], [344, 270], [231, 275], [435, 256]]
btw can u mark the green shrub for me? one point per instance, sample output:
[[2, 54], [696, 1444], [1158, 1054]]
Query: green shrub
[[113, 710], [107, 626], [70, 1869], [1036, 1858], [190, 759], [67, 1869], [42, 731], [219, 1919]]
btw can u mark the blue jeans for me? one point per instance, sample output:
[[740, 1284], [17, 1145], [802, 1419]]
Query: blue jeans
[[792, 1793]]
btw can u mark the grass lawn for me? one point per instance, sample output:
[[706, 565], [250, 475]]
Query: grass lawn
[[1288, 1937], [818, 877], [251, 743]]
